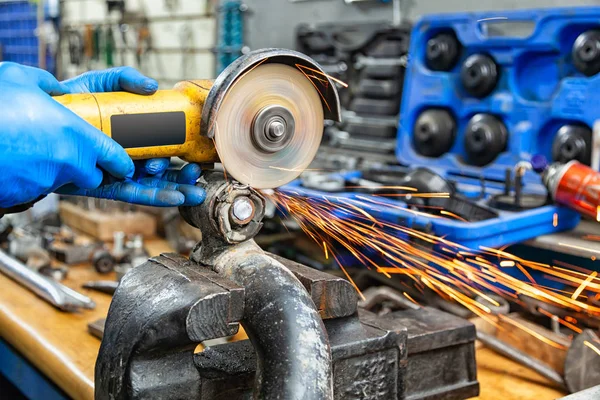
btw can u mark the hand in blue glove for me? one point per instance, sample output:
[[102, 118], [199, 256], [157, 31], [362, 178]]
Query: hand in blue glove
[[44, 146], [152, 185]]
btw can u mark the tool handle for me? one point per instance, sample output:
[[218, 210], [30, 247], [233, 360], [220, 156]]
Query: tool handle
[[165, 124]]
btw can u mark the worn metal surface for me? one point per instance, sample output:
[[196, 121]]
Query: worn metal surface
[[160, 312], [369, 362], [334, 297], [283, 325], [214, 216], [441, 354]]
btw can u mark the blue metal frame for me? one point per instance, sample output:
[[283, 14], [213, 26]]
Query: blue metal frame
[[25, 377]]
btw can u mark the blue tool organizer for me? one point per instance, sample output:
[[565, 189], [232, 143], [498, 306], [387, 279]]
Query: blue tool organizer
[[18, 40], [538, 90]]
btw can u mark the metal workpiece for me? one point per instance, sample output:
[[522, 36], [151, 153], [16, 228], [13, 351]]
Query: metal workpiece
[[280, 318], [60, 296], [232, 212]]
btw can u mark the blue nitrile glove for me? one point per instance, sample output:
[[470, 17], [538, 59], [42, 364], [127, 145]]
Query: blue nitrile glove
[[152, 184], [44, 146]]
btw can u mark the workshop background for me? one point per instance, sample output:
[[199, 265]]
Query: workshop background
[[529, 343]]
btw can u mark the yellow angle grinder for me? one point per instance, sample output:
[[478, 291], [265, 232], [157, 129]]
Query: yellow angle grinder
[[262, 118]]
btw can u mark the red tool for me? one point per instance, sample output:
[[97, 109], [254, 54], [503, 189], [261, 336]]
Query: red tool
[[574, 185]]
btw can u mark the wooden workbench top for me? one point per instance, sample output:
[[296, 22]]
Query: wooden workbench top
[[59, 345]]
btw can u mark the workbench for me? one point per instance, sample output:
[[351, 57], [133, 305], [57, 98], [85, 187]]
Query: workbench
[[59, 347]]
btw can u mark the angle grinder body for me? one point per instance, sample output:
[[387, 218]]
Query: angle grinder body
[[262, 118]]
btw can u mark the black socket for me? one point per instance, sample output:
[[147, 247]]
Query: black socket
[[479, 75], [586, 52], [442, 52], [434, 133], [485, 138], [573, 142]]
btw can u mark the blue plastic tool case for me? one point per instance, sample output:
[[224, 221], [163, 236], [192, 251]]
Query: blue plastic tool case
[[538, 91]]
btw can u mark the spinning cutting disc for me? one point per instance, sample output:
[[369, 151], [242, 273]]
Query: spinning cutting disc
[[269, 126]]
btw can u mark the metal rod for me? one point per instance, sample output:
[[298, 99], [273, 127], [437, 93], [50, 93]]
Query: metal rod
[[522, 358], [397, 5], [53, 292]]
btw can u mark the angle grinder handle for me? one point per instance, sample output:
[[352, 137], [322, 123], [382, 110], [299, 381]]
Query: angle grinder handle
[[165, 124]]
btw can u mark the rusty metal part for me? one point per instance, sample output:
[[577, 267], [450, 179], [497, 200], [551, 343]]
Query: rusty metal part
[[436, 342], [215, 217], [158, 315]]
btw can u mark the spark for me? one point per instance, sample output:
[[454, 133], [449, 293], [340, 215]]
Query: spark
[[411, 189], [573, 327], [555, 220], [581, 287], [410, 298], [451, 214], [316, 71], [591, 346], [533, 333], [454, 272], [598, 213], [325, 250]]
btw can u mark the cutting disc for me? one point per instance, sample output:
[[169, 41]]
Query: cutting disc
[[266, 87]]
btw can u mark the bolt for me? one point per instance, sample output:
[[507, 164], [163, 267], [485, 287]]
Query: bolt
[[242, 210], [275, 129]]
